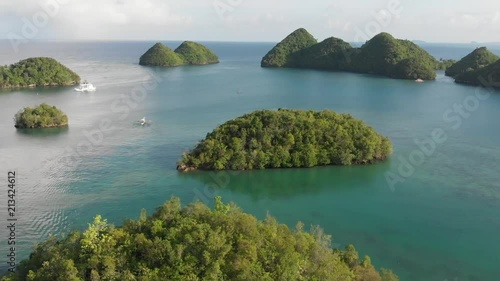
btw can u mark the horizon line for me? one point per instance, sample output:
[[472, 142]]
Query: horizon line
[[416, 41]]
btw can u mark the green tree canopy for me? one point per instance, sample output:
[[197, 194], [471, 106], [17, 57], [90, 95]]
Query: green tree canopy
[[444, 64], [382, 55], [488, 76], [281, 54], [413, 68], [331, 53], [188, 52], [479, 58], [42, 116], [287, 138], [395, 58], [194, 53], [195, 243], [35, 72], [160, 55]]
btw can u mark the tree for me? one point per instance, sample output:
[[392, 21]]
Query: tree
[[194, 243], [388, 275]]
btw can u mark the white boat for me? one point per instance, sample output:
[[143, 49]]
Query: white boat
[[144, 122], [419, 80], [85, 87]]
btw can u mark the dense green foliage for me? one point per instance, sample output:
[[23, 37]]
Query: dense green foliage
[[196, 243], [402, 59], [285, 139], [413, 68], [42, 116], [487, 76], [382, 55], [280, 55], [35, 72], [445, 64], [479, 58], [187, 53], [160, 55], [331, 53], [194, 53]]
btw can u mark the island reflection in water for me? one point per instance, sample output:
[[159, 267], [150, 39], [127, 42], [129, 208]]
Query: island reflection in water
[[288, 183], [43, 132]]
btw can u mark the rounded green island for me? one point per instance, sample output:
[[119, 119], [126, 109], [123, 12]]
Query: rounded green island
[[287, 139], [382, 55], [479, 68], [160, 55], [188, 53], [37, 72], [477, 59], [42, 116]]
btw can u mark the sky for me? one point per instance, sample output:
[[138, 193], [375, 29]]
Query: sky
[[457, 21]]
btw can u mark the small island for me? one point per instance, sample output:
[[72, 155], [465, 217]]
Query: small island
[[479, 68], [42, 116], [188, 53], [479, 58], [37, 72], [382, 55], [287, 139], [194, 242]]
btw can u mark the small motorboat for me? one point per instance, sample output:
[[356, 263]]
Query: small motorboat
[[419, 80], [144, 122], [86, 87]]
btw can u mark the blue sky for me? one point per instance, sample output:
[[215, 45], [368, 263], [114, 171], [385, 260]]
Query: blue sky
[[250, 20]]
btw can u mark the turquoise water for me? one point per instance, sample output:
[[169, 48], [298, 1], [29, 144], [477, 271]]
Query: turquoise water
[[440, 223]]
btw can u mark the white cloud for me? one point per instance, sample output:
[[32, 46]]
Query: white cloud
[[495, 18], [101, 19], [255, 20], [97, 18]]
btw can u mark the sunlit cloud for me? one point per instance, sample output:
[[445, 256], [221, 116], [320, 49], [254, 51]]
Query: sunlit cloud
[[255, 20]]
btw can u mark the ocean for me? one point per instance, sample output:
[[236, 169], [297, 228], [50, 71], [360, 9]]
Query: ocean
[[428, 213]]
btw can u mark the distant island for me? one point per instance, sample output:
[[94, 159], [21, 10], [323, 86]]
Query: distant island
[[381, 55], [188, 53], [479, 58], [37, 72], [285, 139], [479, 68], [444, 64], [42, 116]]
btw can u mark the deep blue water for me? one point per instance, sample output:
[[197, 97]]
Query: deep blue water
[[440, 223]]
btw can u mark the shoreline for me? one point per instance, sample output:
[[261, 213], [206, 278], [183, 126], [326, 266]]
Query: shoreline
[[44, 127], [32, 86]]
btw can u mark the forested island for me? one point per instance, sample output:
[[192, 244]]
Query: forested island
[[479, 68], [188, 53], [286, 139], [42, 116], [381, 55], [196, 243], [488, 76], [37, 72], [479, 58]]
